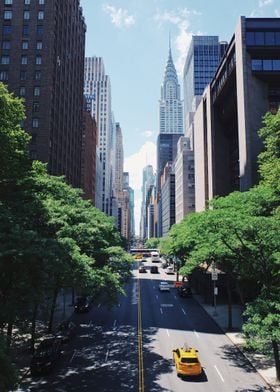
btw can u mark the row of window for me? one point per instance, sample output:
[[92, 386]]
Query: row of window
[[8, 15], [4, 75], [260, 38], [8, 29], [26, 2], [5, 60], [265, 65], [24, 45]]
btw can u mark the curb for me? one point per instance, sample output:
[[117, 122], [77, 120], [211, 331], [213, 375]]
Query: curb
[[271, 387]]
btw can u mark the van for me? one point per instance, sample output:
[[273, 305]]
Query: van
[[154, 269], [155, 257]]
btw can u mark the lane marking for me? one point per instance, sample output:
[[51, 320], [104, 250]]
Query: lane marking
[[217, 370], [167, 305], [153, 287], [107, 354], [90, 324], [115, 322], [99, 305], [71, 359], [196, 334], [161, 311], [183, 310], [175, 296], [140, 343], [156, 296], [167, 333]]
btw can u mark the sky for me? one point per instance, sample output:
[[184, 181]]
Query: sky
[[132, 37]]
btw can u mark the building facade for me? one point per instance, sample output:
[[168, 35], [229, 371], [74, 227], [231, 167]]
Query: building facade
[[168, 198], [148, 181], [97, 84], [245, 86], [41, 61], [184, 179]]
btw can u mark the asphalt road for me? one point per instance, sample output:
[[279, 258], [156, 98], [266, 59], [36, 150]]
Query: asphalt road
[[129, 348]]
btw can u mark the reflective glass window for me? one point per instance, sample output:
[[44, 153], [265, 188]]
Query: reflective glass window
[[256, 65], [259, 38], [269, 38], [276, 65], [267, 65], [6, 45]]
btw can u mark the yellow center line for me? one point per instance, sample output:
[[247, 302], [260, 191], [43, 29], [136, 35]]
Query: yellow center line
[[140, 343]]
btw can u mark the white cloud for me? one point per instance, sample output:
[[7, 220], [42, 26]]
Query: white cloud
[[182, 41], [264, 3], [147, 134], [135, 163], [277, 13], [119, 17]]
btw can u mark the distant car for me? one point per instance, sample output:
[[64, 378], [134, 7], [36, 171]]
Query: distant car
[[185, 290], [82, 304], [154, 269], [138, 256], [164, 264], [142, 269], [169, 270], [186, 361], [66, 331], [164, 286], [46, 356], [155, 257]]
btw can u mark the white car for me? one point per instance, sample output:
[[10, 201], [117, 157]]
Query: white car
[[169, 270], [164, 286]]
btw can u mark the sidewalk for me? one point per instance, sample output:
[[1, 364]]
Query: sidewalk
[[263, 365]]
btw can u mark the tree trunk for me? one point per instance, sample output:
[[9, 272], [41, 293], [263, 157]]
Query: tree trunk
[[50, 326], [33, 327], [276, 359], [9, 335], [229, 326]]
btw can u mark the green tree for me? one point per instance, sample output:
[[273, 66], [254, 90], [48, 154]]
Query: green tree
[[152, 243]]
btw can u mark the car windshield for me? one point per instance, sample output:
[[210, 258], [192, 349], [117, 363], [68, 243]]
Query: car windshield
[[189, 360], [163, 283]]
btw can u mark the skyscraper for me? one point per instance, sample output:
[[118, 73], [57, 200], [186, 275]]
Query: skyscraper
[[41, 60], [97, 84], [170, 106], [148, 182]]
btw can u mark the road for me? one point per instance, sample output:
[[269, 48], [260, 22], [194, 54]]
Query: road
[[129, 348]]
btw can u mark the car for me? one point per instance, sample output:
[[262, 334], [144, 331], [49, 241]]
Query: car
[[186, 361], [154, 269], [66, 331], [163, 286], [82, 304], [142, 269], [169, 270], [164, 264], [185, 290], [46, 356], [138, 256]]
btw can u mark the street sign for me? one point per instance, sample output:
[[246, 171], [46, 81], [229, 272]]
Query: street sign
[[214, 275]]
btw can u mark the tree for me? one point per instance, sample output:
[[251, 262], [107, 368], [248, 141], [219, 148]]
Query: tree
[[152, 243]]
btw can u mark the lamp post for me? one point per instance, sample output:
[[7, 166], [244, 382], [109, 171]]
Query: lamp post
[[215, 289]]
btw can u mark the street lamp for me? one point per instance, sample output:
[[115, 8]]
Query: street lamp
[[215, 289]]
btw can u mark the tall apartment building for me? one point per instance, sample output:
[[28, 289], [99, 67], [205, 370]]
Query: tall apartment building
[[41, 60], [245, 86], [148, 181], [168, 206], [203, 58], [184, 179], [127, 188], [97, 84]]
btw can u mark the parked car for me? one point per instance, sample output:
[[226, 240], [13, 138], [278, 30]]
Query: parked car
[[66, 331], [164, 286], [142, 269], [154, 269], [184, 290], [82, 304], [169, 270], [46, 356], [186, 361]]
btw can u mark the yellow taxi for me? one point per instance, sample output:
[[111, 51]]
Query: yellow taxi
[[186, 361], [138, 256]]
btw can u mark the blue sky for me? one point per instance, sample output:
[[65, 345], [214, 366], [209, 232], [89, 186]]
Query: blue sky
[[132, 37]]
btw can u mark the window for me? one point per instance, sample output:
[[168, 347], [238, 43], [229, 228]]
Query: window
[[26, 15], [40, 15], [24, 45], [256, 65], [37, 75], [40, 30], [33, 138], [6, 45], [23, 75], [8, 2], [8, 15], [35, 123], [37, 91], [7, 30], [26, 2], [39, 45], [5, 60], [4, 75], [36, 107], [24, 60], [22, 91], [38, 60], [41, 2], [25, 30]]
